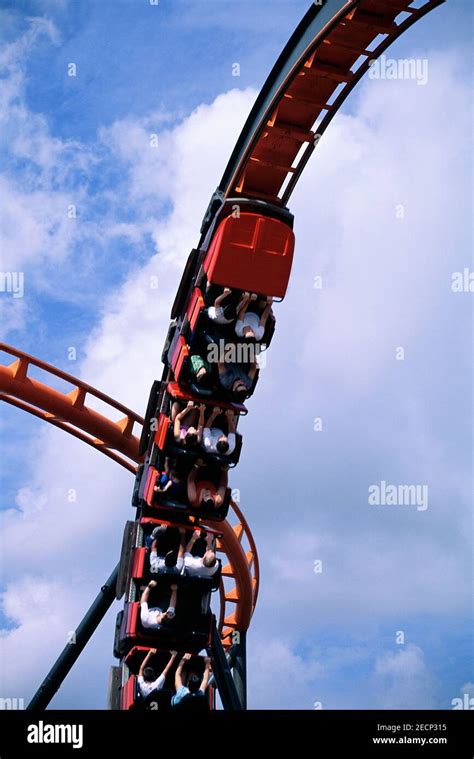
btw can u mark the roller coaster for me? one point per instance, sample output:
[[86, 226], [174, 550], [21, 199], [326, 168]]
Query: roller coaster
[[189, 539]]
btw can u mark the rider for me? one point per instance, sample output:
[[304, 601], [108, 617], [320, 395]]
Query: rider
[[249, 324], [195, 686], [147, 680], [203, 489], [187, 434], [214, 440], [159, 562], [236, 379], [204, 566], [153, 618]]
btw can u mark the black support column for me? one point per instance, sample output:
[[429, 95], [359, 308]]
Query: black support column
[[222, 674], [239, 669]]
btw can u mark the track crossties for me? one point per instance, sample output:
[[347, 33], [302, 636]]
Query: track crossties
[[327, 55]]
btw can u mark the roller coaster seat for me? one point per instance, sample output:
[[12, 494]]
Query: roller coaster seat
[[135, 656], [209, 583], [185, 284], [148, 523], [217, 515], [151, 474], [197, 324], [235, 369], [228, 331], [195, 309], [192, 703], [165, 441], [177, 452], [179, 358], [164, 437], [159, 700], [189, 631], [169, 538], [141, 571], [134, 563], [251, 252], [178, 393], [159, 503], [131, 696], [213, 347]]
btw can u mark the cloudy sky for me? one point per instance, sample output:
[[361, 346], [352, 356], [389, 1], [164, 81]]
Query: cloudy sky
[[369, 375]]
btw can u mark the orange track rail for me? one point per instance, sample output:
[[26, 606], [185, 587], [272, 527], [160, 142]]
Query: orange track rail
[[70, 412]]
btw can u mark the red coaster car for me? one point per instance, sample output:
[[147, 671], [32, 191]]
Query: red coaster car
[[251, 252], [164, 437], [189, 630], [175, 502], [132, 693]]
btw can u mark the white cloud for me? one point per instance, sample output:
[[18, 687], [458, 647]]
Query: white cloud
[[41, 610], [385, 279], [38, 183], [405, 680], [34, 226], [183, 168], [394, 580], [279, 678], [12, 314], [44, 614]]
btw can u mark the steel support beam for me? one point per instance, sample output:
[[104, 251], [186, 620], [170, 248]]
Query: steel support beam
[[239, 669], [222, 674]]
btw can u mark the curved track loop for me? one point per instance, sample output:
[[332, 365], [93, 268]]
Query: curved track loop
[[69, 412], [329, 52], [234, 615]]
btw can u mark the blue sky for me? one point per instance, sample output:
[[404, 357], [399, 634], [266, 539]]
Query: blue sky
[[84, 141]]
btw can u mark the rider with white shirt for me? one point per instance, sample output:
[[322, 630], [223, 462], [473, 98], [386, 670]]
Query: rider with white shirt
[[215, 440], [201, 566], [147, 680], [153, 618], [159, 563], [249, 324], [222, 314]]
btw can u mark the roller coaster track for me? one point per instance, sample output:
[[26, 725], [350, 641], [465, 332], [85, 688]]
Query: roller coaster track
[[327, 55], [70, 412]]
